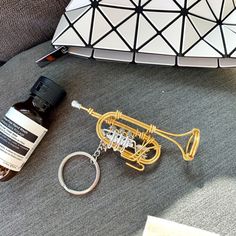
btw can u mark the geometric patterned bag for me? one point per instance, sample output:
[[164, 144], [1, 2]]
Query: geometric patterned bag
[[199, 33]]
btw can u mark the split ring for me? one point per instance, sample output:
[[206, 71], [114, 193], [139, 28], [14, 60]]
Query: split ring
[[61, 169]]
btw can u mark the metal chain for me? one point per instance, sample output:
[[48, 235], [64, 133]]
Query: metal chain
[[102, 147]]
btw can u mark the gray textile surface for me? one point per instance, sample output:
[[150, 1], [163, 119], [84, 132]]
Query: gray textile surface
[[26, 23], [201, 193]]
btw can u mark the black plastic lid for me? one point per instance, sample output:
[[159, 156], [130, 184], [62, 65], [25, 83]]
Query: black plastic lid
[[48, 90]]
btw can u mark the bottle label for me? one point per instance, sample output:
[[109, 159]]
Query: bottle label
[[19, 136]]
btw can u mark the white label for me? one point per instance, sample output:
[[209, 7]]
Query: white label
[[19, 136]]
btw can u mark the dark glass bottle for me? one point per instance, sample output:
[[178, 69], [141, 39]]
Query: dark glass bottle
[[17, 127]]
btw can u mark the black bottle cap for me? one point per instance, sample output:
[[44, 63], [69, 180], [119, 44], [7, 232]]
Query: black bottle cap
[[48, 90]]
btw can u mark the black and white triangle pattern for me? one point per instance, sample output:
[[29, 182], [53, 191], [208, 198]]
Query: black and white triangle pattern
[[198, 33]]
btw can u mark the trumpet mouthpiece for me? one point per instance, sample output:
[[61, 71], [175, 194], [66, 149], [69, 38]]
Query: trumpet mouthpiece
[[76, 104]]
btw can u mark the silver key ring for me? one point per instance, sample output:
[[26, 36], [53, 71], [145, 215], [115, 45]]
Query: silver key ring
[[61, 178]]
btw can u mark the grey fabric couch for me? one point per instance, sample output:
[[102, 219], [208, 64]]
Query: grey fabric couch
[[25, 24], [201, 193]]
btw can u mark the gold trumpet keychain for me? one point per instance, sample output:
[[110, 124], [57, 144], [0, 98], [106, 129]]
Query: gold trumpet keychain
[[136, 145]]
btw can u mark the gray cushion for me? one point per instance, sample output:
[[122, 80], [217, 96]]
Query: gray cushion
[[24, 24], [200, 193]]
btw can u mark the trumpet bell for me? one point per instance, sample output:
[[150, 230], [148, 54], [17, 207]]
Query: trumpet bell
[[192, 145]]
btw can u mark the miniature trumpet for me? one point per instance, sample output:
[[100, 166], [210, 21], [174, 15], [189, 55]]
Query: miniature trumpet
[[134, 139]]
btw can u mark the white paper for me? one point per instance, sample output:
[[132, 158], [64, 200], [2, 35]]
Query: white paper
[[160, 227]]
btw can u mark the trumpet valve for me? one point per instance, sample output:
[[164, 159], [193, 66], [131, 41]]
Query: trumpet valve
[[119, 140]]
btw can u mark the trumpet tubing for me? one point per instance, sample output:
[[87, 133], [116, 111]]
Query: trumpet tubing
[[137, 147]]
